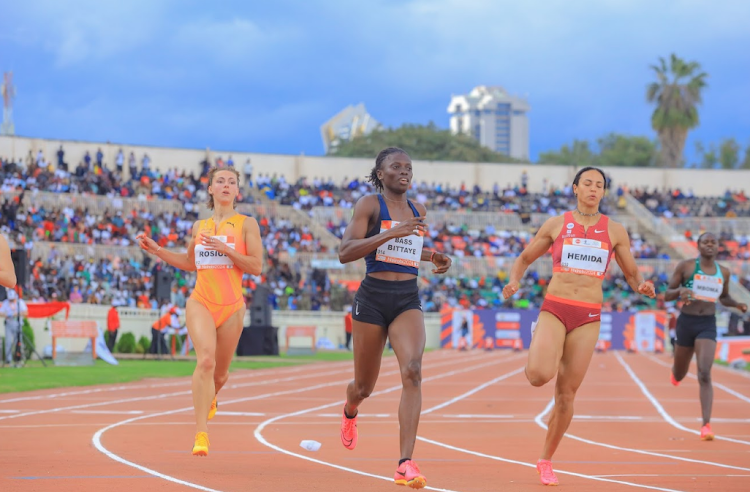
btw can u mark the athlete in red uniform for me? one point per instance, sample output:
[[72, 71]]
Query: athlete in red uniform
[[583, 242]]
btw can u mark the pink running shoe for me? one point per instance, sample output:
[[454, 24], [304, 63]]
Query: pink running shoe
[[408, 474], [348, 430], [706, 433], [547, 476], [673, 380]]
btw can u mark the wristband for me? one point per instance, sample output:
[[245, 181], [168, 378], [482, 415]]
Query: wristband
[[432, 256], [159, 249]]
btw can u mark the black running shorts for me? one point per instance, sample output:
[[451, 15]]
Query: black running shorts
[[379, 302], [691, 327]]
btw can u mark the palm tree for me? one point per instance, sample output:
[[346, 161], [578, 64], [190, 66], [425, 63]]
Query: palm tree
[[677, 93]]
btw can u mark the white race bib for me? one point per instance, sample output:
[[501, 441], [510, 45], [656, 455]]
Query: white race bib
[[405, 251], [210, 259], [707, 287], [584, 257]]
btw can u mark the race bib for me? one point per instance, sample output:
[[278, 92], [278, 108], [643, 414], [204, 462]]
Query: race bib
[[584, 257], [707, 287], [209, 259], [405, 251]]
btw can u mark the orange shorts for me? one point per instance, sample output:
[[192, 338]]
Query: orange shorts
[[220, 312], [572, 313]]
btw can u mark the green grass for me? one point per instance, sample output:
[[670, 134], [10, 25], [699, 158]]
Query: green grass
[[33, 376]]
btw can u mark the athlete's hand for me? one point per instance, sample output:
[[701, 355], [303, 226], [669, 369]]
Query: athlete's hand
[[742, 307], [147, 244], [211, 243], [510, 289], [647, 289], [442, 262], [409, 227], [686, 295]]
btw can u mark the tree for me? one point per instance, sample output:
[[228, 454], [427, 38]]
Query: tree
[[729, 154], [610, 150], [746, 161], [677, 93], [422, 142], [706, 159], [577, 154]]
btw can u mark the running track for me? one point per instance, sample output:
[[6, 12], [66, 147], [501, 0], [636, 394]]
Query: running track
[[482, 429]]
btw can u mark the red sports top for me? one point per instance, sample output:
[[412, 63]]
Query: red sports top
[[582, 253]]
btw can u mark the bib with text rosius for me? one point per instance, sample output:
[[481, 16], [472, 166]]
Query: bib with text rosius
[[209, 259], [405, 251], [584, 257], [707, 287]]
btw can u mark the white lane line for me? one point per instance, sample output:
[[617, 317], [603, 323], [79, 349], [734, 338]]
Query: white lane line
[[476, 416], [96, 439], [100, 447], [473, 391], [241, 414], [714, 383], [112, 412], [660, 408], [262, 440], [540, 422]]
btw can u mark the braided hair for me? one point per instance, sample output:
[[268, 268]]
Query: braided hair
[[382, 155]]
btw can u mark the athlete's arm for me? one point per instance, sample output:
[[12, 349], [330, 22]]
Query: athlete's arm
[[625, 259], [7, 271], [354, 245], [183, 261], [441, 261], [252, 262], [725, 299], [536, 248], [675, 289]]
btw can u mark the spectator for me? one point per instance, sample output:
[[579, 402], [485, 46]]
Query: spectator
[[113, 324]]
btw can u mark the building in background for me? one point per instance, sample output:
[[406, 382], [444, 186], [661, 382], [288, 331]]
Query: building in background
[[352, 121], [494, 118]]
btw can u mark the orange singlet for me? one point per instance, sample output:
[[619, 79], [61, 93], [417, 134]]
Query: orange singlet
[[219, 285]]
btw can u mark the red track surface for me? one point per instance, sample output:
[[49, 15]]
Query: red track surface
[[481, 430]]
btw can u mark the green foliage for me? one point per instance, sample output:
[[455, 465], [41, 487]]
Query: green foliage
[[729, 154], [422, 142], [707, 158], [144, 343], [725, 156], [30, 341], [126, 344], [745, 164], [610, 150]]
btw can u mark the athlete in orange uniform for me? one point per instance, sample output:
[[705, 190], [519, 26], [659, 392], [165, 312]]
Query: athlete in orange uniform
[[567, 330], [221, 249]]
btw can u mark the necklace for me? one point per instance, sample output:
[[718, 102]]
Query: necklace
[[587, 215], [392, 200]]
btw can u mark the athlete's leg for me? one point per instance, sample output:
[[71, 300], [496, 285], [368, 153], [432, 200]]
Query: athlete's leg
[[577, 352], [368, 341], [408, 338], [682, 357], [545, 350], [200, 325], [227, 337], [705, 351]]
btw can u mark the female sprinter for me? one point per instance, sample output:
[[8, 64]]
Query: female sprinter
[[699, 283], [222, 248], [387, 231], [582, 242]]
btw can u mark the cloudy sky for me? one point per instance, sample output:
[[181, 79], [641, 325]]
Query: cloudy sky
[[263, 76]]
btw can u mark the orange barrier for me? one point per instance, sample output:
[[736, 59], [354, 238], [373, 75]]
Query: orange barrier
[[300, 331], [74, 329]]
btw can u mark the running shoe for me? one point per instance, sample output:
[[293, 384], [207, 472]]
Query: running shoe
[[212, 410], [201, 444], [348, 430], [706, 433], [546, 475], [673, 380], [408, 474]]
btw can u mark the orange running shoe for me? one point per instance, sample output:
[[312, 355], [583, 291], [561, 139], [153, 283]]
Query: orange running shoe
[[212, 410], [673, 380], [349, 432], [547, 476], [706, 433], [408, 474], [201, 444]]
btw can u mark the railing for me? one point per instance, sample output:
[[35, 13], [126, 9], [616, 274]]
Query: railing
[[716, 225], [96, 203]]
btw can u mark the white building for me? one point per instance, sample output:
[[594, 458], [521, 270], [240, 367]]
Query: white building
[[494, 118], [350, 122]]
